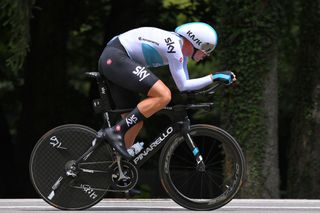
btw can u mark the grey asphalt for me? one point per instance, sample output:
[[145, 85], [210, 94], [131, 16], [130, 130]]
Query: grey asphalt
[[166, 205]]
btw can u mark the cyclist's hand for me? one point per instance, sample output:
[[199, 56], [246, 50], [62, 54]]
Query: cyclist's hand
[[226, 77]]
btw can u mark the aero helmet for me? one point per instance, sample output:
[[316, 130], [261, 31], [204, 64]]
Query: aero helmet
[[201, 35]]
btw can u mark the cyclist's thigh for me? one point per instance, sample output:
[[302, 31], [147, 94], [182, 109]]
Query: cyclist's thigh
[[123, 98], [118, 68]]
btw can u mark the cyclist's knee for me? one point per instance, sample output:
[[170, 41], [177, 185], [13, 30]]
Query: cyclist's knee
[[160, 91], [166, 97]]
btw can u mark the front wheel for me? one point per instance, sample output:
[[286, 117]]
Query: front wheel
[[202, 189]]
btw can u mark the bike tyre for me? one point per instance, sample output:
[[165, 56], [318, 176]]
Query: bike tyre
[[175, 153]]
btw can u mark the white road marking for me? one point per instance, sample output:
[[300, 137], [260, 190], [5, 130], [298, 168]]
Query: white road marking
[[167, 204]]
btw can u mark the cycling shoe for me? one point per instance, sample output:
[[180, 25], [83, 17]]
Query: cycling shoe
[[116, 141]]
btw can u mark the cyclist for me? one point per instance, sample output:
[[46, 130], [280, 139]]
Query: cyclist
[[125, 60]]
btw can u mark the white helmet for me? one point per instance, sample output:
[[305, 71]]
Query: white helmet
[[201, 35]]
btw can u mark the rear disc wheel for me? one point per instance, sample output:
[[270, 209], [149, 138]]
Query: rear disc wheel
[[55, 152]]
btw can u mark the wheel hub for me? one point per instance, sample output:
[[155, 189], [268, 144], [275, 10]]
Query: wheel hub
[[70, 168], [201, 167]]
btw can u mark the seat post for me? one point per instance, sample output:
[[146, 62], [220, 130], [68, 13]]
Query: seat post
[[102, 104]]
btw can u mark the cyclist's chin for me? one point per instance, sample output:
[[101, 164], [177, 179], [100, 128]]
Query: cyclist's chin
[[196, 59]]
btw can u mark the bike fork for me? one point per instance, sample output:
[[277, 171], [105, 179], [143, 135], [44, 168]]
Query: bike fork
[[191, 145]]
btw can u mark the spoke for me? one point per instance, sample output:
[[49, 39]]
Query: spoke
[[210, 189], [225, 179], [188, 162], [213, 164], [203, 148], [213, 181], [211, 148], [187, 180], [216, 172], [183, 167], [201, 186], [209, 158], [187, 150], [193, 184], [222, 169], [178, 175], [215, 175]]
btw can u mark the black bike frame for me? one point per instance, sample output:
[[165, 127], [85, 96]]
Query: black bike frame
[[157, 143], [178, 115], [180, 125]]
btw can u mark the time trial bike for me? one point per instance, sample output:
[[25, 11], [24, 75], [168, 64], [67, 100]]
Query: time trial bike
[[201, 166]]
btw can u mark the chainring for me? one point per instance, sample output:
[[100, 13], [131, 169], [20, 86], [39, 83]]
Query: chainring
[[126, 182]]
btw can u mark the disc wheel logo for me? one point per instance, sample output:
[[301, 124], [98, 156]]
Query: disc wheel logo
[[89, 191]]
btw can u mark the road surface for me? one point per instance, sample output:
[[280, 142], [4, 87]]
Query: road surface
[[165, 205]]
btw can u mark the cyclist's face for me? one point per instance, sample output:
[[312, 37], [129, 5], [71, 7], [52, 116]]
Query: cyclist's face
[[199, 55], [187, 48]]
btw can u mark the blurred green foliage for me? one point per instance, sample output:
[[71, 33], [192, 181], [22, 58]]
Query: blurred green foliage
[[251, 35]]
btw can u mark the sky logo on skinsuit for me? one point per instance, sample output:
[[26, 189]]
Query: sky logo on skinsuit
[[141, 72], [170, 46]]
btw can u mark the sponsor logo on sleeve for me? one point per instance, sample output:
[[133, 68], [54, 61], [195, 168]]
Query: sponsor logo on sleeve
[[148, 40]]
